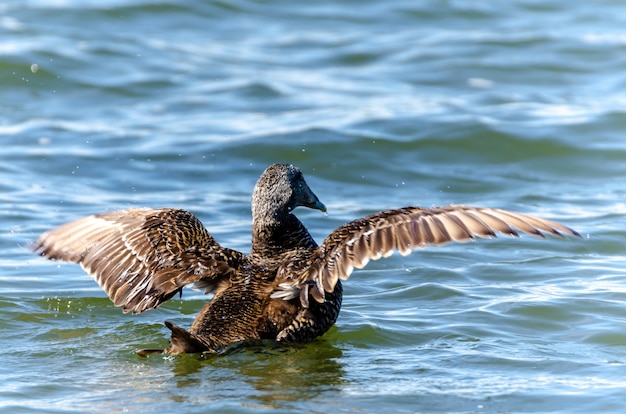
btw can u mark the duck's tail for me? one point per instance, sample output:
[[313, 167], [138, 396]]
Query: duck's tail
[[181, 341]]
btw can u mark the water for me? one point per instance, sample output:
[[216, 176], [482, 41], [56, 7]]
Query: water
[[518, 105]]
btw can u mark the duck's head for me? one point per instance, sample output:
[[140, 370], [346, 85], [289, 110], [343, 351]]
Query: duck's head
[[280, 189]]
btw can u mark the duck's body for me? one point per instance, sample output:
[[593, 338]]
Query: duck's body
[[243, 310], [143, 257]]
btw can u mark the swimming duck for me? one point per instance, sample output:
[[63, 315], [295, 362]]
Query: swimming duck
[[287, 289]]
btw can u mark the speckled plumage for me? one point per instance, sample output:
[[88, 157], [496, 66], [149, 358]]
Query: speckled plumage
[[287, 288]]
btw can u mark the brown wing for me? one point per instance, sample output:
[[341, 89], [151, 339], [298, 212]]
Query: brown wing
[[354, 244], [142, 257]]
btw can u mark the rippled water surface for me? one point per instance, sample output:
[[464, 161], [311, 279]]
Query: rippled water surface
[[520, 105]]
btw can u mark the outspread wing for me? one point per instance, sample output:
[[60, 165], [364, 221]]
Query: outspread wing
[[354, 244], [142, 257]]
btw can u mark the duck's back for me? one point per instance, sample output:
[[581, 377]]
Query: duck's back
[[234, 314], [244, 311]]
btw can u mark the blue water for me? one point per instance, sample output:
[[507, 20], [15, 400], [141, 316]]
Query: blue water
[[517, 105]]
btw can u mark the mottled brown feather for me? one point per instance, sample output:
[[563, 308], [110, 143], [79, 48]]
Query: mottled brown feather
[[379, 235], [141, 257]]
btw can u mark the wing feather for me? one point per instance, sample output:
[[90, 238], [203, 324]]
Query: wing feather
[[141, 257], [355, 243], [456, 228]]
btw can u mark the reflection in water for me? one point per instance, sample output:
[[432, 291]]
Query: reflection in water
[[276, 374]]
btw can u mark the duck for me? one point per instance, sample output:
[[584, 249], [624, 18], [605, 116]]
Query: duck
[[287, 288]]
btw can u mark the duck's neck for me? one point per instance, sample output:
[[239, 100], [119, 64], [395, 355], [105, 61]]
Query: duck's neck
[[272, 236]]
